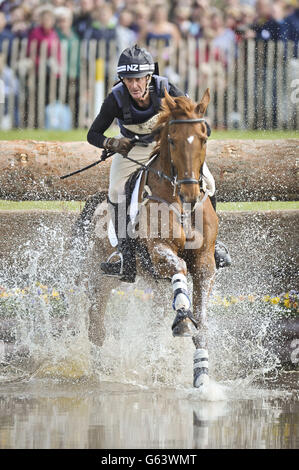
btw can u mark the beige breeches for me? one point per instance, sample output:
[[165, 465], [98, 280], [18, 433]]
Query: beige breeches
[[121, 169]]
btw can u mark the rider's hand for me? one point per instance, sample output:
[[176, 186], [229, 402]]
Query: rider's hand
[[122, 145]]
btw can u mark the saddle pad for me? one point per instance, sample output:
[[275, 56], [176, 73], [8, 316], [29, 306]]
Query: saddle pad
[[133, 213], [134, 200], [112, 235]]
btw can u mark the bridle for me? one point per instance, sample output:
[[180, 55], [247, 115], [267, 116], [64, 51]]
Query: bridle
[[175, 182], [172, 179], [188, 180]]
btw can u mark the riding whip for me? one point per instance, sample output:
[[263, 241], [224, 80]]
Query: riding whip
[[104, 156]]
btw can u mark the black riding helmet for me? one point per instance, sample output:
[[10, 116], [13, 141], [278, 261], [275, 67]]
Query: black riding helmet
[[135, 62]]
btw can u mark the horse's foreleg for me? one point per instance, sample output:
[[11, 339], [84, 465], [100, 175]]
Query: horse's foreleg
[[168, 264], [98, 289], [96, 316], [202, 284]]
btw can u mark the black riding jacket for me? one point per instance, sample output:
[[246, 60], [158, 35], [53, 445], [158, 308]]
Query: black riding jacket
[[116, 107]]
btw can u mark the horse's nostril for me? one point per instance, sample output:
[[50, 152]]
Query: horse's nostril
[[189, 193]]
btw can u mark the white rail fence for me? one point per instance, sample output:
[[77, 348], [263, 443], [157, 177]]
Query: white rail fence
[[254, 85]]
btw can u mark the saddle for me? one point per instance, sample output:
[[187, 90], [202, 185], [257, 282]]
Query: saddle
[[128, 246]]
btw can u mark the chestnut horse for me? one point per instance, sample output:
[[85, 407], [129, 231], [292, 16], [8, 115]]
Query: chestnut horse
[[172, 179]]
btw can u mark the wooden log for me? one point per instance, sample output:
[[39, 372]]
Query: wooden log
[[244, 170]]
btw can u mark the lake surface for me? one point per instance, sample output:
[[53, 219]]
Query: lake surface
[[56, 414]]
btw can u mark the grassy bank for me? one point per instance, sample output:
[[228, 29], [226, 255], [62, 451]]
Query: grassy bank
[[258, 206], [80, 134], [78, 206]]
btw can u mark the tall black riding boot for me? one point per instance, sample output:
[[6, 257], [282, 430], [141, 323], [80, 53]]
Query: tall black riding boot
[[222, 256], [124, 264]]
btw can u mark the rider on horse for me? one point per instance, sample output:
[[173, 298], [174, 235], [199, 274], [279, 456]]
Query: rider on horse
[[135, 102]]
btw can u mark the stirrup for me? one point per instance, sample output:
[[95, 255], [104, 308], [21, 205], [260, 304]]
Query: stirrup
[[116, 268]]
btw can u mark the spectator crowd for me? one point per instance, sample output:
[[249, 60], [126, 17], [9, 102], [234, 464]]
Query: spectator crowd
[[223, 24], [139, 21]]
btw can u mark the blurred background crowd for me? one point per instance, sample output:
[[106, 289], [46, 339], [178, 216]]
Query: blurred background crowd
[[131, 21], [223, 25]]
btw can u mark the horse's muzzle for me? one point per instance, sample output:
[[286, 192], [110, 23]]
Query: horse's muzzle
[[189, 193]]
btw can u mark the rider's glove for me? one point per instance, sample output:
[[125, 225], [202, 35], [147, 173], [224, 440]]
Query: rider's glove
[[122, 145]]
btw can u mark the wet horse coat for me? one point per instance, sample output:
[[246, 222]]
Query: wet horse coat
[[173, 180]]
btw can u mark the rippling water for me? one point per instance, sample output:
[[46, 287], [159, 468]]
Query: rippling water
[[108, 415]]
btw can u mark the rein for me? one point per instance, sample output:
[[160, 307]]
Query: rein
[[136, 141], [159, 173]]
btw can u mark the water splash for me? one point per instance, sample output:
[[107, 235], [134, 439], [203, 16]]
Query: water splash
[[139, 348], [45, 342]]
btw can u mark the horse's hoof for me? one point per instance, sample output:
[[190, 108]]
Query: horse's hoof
[[184, 328], [184, 324], [201, 380]]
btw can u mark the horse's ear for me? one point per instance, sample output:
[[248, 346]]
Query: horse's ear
[[202, 106], [169, 100]]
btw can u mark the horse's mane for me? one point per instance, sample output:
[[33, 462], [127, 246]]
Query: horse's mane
[[184, 109]]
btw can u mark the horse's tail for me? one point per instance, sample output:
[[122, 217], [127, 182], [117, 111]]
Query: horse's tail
[[81, 228]]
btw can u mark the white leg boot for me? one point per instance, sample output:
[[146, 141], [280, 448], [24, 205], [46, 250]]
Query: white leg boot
[[200, 368], [184, 323]]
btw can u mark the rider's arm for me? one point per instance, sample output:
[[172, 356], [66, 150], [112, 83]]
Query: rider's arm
[[109, 111]]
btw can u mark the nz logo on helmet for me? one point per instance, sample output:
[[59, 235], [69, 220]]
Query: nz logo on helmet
[[132, 67]]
